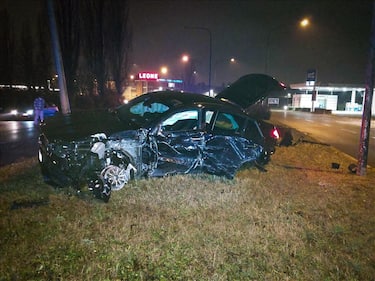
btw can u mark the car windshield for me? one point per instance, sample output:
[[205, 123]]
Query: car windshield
[[142, 111]]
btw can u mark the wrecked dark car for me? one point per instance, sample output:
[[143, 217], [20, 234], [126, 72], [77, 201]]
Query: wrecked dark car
[[156, 134]]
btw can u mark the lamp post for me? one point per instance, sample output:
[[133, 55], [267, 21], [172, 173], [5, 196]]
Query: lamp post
[[302, 23], [232, 60], [210, 52], [185, 74]]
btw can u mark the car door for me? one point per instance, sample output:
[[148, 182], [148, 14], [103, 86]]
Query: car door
[[180, 141], [227, 149]]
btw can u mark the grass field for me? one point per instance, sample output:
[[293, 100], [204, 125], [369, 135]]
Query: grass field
[[300, 220]]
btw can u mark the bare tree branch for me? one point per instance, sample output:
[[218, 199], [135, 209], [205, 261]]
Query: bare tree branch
[[118, 39]]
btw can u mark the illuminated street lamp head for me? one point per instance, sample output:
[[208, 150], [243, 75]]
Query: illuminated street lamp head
[[304, 22], [185, 58], [164, 70], [232, 60]]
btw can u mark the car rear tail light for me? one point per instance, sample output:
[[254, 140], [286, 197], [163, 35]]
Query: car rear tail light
[[275, 133]]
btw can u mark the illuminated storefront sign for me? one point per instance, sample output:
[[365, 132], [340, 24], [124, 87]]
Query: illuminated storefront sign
[[148, 76], [178, 81]]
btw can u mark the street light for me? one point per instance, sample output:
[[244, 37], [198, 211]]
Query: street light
[[188, 72], [185, 58], [232, 60], [164, 70], [302, 23], [210, 51]]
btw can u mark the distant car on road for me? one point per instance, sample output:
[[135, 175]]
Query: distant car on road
[[27, 113], [22, 113], [50, 110]]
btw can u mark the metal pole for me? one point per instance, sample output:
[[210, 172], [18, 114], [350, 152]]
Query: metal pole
[[366, 115], [210, 63], [210, 53], [64, 99]]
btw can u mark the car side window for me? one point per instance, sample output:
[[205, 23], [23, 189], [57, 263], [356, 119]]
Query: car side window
[[227, 123], [181, 121]]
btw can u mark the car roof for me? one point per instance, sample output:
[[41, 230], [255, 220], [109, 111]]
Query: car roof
[[177, 99]]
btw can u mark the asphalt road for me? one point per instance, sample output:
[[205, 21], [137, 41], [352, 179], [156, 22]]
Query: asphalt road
[[341, 132], [18, 140]]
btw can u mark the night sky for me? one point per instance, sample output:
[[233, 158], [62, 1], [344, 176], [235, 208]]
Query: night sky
[[336, 43]]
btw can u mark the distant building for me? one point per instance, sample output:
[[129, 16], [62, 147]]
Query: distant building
[[330, 97], [148, 82]]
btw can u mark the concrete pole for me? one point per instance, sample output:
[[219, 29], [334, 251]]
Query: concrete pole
[[366, 116], [64, 99]]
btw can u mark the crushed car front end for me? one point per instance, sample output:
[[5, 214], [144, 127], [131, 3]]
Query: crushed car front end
[[103, 164]]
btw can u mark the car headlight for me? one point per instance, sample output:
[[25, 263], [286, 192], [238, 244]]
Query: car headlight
[[29, 112], [14, 112]]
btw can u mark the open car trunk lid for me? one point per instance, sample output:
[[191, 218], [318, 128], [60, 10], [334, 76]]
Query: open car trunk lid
[[250, 89]]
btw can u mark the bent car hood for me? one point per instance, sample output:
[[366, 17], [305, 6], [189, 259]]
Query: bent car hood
[[82, 124], [250, 89]]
